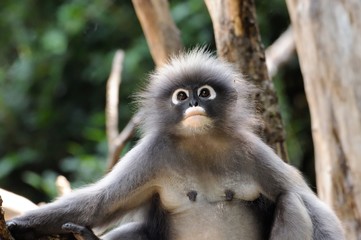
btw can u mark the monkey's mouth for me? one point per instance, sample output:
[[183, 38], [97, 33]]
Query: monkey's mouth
[[194, 111], [195, 117]]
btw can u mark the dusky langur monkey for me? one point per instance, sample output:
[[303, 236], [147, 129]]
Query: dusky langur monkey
[[199, 170]]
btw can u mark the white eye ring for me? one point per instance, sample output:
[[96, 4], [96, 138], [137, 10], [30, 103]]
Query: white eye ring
[[176, 97], [211, 92]]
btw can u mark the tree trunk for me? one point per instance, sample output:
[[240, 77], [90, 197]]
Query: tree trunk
[[238, 41], [328, 42]]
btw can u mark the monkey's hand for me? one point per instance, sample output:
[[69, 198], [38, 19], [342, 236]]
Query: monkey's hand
[[30, 228], [80, 232], [21, 228]]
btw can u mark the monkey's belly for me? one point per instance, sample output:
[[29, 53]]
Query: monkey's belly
[[222, 220]]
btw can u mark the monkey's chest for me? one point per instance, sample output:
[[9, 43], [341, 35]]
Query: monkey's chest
[[212, 207], [180, 192]]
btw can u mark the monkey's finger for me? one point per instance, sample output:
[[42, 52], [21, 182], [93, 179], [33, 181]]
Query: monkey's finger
[[80, 232]]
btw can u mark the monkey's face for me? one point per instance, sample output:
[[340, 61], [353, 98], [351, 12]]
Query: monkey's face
[[194, 101], [199, 107]]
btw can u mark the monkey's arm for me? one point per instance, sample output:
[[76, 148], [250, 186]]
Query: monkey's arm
[[127, 186], [299, 213]]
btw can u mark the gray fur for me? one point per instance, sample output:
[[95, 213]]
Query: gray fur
[[240, 189]]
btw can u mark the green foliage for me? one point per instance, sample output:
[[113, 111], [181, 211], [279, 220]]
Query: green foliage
[[55, 59]]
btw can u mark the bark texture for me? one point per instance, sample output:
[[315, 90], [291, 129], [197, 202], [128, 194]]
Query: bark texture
[[4, 232], [238, 41], [328, 37]]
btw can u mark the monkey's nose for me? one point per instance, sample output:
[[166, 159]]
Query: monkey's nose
[[193, 103]]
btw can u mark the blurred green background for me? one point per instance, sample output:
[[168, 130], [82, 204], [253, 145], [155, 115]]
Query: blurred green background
[[55, 58]]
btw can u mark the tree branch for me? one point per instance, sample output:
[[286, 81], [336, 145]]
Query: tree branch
[[15, 205], [62, 185], [280, 52], [162, 35], [120, 141], [111, 108]]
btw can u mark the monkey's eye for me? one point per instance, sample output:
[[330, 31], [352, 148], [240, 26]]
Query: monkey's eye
[[180, 95], [206, 91]]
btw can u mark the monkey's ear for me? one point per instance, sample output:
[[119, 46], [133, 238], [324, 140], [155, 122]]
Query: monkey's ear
[[80, 232]]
